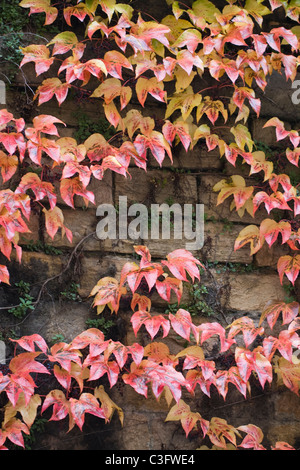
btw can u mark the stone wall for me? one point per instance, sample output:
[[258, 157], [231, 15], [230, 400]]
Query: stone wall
[[237, 284]]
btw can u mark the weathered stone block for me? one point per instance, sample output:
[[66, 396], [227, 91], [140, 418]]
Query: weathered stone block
[[34, 226], [268, 256], [197, 159], [219, 244], [156, 186], [81, 223], [251, 292], [267, 135], [95, 267]]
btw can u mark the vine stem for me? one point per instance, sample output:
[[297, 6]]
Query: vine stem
[[38, 299]]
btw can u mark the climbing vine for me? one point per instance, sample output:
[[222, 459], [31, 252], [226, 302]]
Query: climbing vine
[[137, 61]]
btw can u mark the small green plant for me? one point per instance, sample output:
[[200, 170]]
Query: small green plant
[[87, 126], [36, 429], [58, 338], [71, 293], [101, 323], [26, 301], [197, 305], [40, 247]]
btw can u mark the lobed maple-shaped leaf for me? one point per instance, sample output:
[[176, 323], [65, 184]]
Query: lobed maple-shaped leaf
[[213, 328], [13, 429], [24, 364], [101, 365], [12, 141], [57, 399], [167, 285], [40, 55], [64, 377], [219, 430], [151, 86], [107, 405], [92, 338], [185, 101], [8, 165], [63, 42], [156, 143], [112, 88], [224, 377], [239, 96], [114, 62], [289, 266], [248, 361], [270, 230], [236, 187], [134, 274], [27, 410], [61, 353], [107, 292], [253, 438], [80, 11], [181, 411], [289, 312], [41, 6], [272, 201], [181, 262], [151, 323], [29, 342], [70, 187], [41, 189], [179, 128], [160, 353], [194, 377], [142, 301], [52, 87], [182, 323], [20, 384], [246, 326], [289, 373], [282, 133], [286, 341], [250, 234]]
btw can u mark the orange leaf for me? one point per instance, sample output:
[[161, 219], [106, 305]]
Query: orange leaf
[[289, 311], [290, 266], [51, 87], [8, 165], [249, 234], [4, 274]]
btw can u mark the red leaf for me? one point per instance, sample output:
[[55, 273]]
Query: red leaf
[[181, 261], [248, 361], [289, 312], [87, 403], [169, 284], [210, 329], [60, 353], [40, 188], [182, 323], [152, 323], [70, 187], [13, 431], [52, 87], [29, 342], [60, 405], [4, 274]]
